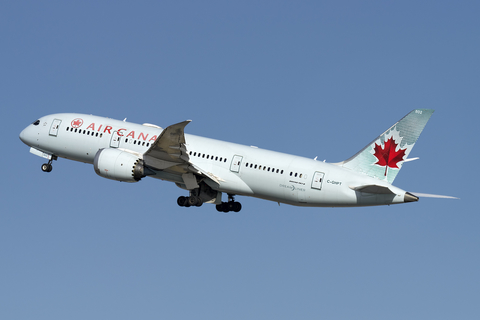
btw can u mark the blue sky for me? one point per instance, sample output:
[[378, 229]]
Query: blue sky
[[311, 78]]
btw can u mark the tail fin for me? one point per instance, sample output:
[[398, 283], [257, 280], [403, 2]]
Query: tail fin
[[384, 156]]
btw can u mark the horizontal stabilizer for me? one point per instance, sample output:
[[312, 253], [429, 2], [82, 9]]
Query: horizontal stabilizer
[[426, 195], [372, 188]]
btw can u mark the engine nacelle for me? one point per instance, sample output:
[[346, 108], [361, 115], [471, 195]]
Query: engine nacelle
[[118, 165]]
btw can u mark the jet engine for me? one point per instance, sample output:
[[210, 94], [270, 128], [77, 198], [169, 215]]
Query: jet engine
[[119, 165]]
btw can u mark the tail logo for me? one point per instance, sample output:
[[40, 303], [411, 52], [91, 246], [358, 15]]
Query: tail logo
[[388, 156]]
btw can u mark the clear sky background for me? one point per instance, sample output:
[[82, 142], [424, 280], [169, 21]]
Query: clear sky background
[[312, 78]]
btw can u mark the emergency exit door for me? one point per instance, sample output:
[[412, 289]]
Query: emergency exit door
[[236, 162], [318, 180], [115, 140], [54, 127]]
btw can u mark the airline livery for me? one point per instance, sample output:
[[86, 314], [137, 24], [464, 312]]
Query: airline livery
[[207, 168]]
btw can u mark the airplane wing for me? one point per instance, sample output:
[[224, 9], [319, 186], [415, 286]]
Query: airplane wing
[[169, 149], [169, 153]]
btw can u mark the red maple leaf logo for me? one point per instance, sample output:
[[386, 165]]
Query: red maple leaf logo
[[76, 123], [387, 156]]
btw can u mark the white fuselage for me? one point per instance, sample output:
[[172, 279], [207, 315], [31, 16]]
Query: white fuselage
[[241, 170]]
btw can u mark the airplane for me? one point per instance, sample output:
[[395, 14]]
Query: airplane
[[207, 168]]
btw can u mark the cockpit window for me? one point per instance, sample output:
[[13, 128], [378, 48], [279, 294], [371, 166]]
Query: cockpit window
[[36, 123]]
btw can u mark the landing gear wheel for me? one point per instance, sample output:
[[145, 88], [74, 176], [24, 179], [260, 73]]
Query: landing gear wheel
[[192, 201], [181, 201], [229, 206], [237, 206], [225, 207], [47, 167], [222, 207]]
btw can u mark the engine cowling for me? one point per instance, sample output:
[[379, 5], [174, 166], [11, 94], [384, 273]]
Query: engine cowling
[[118, 165]]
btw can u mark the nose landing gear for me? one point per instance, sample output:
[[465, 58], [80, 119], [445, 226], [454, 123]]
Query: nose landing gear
[[47, 167]]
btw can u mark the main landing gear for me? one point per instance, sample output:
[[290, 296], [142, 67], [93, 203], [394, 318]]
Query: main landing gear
[[192, 201], [196, 201], [231, 205]]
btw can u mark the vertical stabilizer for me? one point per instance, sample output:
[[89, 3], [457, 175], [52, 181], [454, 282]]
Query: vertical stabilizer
[[383, 157]]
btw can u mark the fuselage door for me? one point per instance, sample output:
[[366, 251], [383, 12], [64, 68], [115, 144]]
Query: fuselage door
[[115, 141], [317, 180], [236, 162], [54, 127]]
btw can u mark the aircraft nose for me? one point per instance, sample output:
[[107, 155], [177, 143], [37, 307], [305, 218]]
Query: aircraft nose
[[23, 136], [27, 136]]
